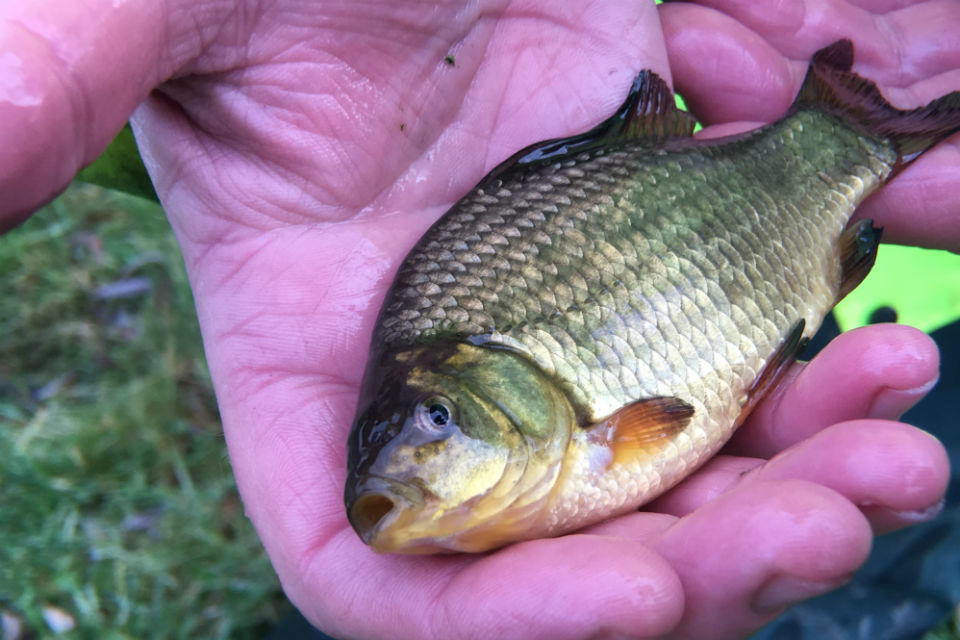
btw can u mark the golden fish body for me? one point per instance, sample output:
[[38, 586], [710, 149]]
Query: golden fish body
[[591, 323]]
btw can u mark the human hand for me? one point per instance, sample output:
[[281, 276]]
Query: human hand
[[278, 151]]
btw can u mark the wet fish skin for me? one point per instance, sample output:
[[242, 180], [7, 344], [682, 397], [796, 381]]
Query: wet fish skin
[[650, 272]]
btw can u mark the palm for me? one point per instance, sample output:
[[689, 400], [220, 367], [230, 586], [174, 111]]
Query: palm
[[288, 269], [302, 151]]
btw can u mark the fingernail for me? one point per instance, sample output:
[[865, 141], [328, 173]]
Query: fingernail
[[916, 516], [890, 404], [782, 591]]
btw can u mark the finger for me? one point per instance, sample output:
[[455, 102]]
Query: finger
[[767, 52], [350, 592], [621, 588], [892, 47], [920, 207], [878, 371], [719, 475], [72, 74], [896, 473], [754, 551], [647, 525], [725, 71]]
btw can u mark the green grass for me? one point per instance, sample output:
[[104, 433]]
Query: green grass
[[118, 503]]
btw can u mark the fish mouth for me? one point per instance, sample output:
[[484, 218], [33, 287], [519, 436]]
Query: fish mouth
[[367, 512], [378, 504]]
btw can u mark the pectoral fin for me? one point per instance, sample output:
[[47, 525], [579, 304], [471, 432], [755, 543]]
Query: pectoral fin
[[642, 427]]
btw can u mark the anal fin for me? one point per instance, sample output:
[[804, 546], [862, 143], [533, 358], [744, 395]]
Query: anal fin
[[773, 372], [643, 427]]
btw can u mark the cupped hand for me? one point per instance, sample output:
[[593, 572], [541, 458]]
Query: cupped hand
[[300, 149]]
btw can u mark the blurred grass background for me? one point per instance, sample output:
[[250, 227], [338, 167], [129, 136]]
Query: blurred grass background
[[120, 517]]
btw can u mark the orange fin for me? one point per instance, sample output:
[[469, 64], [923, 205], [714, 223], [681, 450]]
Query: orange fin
[[773, 372], [642, 427], [830, 85], [858, 251]]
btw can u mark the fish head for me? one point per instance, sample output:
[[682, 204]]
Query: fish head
[[455, 447]]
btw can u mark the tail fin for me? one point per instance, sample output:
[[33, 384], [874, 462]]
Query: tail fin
[[830, 85]]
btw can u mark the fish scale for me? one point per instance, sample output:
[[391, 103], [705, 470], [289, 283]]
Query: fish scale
[[594, 320]]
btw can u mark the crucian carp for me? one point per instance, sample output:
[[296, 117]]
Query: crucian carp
[[592, 322]]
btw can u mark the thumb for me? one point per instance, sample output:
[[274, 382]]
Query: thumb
[[71, 73]]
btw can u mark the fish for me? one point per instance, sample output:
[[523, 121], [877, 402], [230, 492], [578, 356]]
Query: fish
[[593, 321]]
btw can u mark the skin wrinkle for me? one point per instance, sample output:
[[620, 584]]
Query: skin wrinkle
[[497, 110], [389, 181], [247, 381], [224, 138], [235, 267], [384, 195], [894, 39], [343, 600], [209, 152], [213, 149], [316, 539], [545, 83], [208, 37]]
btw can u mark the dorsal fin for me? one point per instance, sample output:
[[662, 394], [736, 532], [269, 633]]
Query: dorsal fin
[[831, 86], [649, 113]]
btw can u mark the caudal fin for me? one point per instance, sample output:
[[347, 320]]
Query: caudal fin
[[832, 86]]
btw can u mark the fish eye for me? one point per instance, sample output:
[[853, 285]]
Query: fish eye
[[439, 414], [435, 412]]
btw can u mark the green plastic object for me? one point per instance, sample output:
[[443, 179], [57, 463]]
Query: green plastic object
[[921, 285]]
